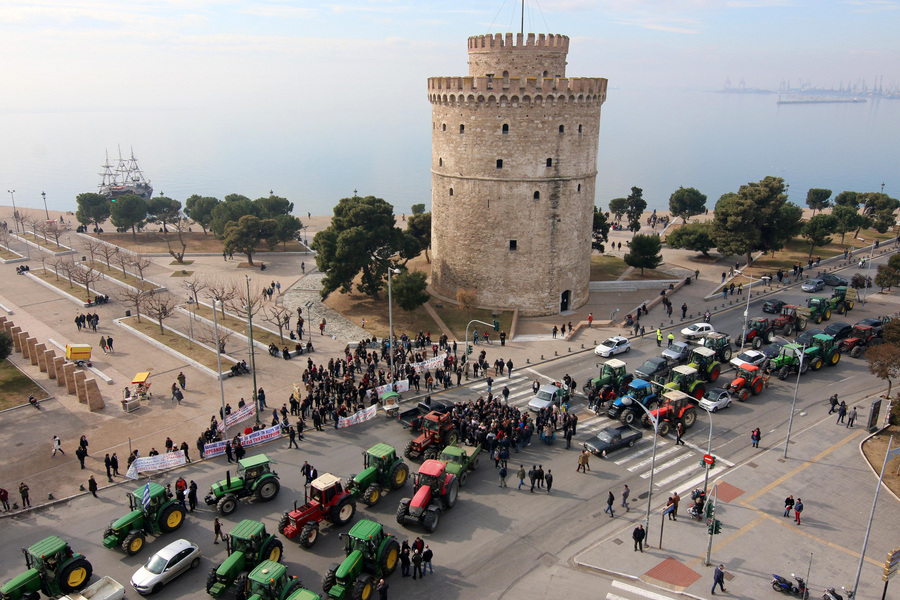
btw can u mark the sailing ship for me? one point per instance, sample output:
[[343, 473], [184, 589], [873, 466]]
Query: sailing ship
[[125, 177]]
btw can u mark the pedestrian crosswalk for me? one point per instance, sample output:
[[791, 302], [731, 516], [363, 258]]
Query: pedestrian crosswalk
[[673, 464], [626, 591]]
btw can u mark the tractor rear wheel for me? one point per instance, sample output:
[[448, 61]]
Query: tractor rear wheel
[[430, 520], [403, 511], [452, 493], [689, 418], [714, 372], [227, 504], [273, 550], [804, 367], [399, 475], [389, 557], [856, 351], [343, 512], [757, 343], [283, 523], [330, 578], [816, 363], [363, 587], [827, 314], [463, 477], [75, 575], [133, 542], [309, 534], [451, 437], [171, 518], [788, 329], [834, 358], [430, 454], [652, 405], [268, 489], [372, 495], [784, 372], [408, 453]]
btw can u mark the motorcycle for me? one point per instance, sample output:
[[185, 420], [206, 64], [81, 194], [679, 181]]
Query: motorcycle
[[699, 498], [706, 317], [32, 401], [830, 594], [783, 585]]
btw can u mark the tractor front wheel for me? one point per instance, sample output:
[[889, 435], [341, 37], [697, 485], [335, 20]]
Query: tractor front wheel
[[699, 391], [757, 343], [664, 428], [431, 519], [430, 454], [211, 579], [330, 578], [403, 511], [783, 373], [363, 587], [309, 534], [714, 372], [372, 495], [268, 489], [689, 418], [133, 542], [834, 358], [399, 475], [816, 363], [628, 417], [283, 523], [75, 575], [856, 351], [827, 314], [227, 504], [408, 453], [390, 556], [171, 518], [241, 585], [788, 329], [743, 395], [801, 324]]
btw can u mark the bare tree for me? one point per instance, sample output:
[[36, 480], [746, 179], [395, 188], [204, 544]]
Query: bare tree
[[68, 267], [5, 238], [194, 285], [58, 263], [93, 246], [133, 297], [206, 334], [124, 259], [279, 316], [220, 290], [19, 218], [54, 229], [108, 252], [161, 306], [85, 275], [35, 224], [241, 303], [179, 226], [141, 264]]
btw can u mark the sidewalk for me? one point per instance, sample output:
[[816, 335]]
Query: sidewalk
[[825, 468]]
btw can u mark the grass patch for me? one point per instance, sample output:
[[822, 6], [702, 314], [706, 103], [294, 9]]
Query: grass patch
[[184, 263], [51, 246], [62, 284], [610, 268], [16, 386], [126, 277], [876, 447], [8, 255], [356, 307], [182, 273], [456, 319], [185, 346], [240, 325], [195, 242]]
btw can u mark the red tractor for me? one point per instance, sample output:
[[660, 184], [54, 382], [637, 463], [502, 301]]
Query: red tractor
[[860, 338], [747, 381], [676, 407], [326, 501], [435, 491], [438, 431], [790, 320], [759, 332]]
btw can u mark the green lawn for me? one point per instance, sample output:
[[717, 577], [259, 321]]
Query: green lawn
[[240, 325], [62, 283], [51, 245], [610, 268], [16, 386], [116, 273], [150, 328]]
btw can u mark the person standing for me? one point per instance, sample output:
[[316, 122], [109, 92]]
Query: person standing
[[798, 508], [658, 337], [382, 589], [217, 528], [521, 475], [625, 493], [186, 449], [182, 380], [755, 436], [23, 491], [404, 559], [228, 453], [675, 500], [92, 486], [568, 436], [719, 579], [503, 473], [548, 479], [57, 446], [590, 319], [670, 339], [114, 463], [851, 418], [788, 506], [192, 495], [684, 310], [427, 555], [80, 454], [509, 368], [107, 462], [638, 536], [610, 500], [417, 563], [4, 499]]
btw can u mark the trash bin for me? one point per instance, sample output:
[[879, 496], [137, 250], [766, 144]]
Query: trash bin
[[127, 313]]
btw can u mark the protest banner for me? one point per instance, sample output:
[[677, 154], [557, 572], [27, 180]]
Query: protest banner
[[241, 414], [160, 462], [252, 439], [358, 417], [399, 387]]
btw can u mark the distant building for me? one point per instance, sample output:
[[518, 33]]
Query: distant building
[[513, 172]]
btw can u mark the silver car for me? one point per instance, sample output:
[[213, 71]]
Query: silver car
[[166, 565]]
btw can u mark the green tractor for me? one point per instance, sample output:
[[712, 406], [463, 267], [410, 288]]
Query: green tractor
[[686, 379], [382, 470], [372, 554], [152, 512], [270, 581], [254, 478], [52, 569], [460, 461], [788, 361], [720, 343], [823, 349], [818, 309], [614, 373], [704, 360], [248, 545], [843, 299]]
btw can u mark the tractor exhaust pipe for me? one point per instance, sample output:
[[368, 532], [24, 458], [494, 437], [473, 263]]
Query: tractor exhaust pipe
[[228, 479]]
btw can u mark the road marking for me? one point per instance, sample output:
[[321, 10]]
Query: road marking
[[647, 461], [530, 370], [640, 592], [637, 454], [677, 475], [845, 379], [669, 463]]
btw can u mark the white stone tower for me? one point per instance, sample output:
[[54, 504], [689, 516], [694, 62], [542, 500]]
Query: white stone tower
[[513, 170]]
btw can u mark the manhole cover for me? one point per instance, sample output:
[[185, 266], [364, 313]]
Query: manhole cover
[[752, 465], [618, 542]]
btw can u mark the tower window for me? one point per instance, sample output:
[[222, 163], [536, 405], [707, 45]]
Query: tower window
[[451, 192], [440, 162], [549, 162], [462, 128], [537, 195], [505, 129], [513, 245], [562, 129], [499, 163], [579, 187], [443, 127], [579, 130]]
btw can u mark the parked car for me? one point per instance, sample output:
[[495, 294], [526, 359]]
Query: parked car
[[839, 331], [715, 399], [611, 438], [813, 285], [832, 279], [750, 357], [614, 345], [697, 331], [773, 305], [806, 337], [876, 324], [677, 353], [547, 395], [652, 368], [773, 349], [166, 565]]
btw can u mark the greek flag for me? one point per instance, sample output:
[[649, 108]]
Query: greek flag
[[145, 499]]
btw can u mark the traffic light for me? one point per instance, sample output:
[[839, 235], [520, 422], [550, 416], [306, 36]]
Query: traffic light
[[709, 510], [717, 526], [496, 325], [468, 348], [711, 526]]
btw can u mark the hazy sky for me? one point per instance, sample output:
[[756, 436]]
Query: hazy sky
[[188, 53]]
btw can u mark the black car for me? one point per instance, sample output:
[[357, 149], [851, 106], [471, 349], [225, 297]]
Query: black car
[[653, 368], [806, 337], [773, 305], [773, 349], [876, 324], [832, 279], [611, 438], [839, 331]]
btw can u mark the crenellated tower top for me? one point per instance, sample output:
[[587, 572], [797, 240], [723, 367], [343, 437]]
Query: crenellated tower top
[[535, 56]]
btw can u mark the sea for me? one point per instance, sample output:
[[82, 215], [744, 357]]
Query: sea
[[655, 139]]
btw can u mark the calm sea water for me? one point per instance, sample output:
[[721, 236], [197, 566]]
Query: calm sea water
[[656, 140]]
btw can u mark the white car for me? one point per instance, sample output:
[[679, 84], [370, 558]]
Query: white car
[[614, 345], [166, 565], [697, 331], [714, 399], [750, 357]]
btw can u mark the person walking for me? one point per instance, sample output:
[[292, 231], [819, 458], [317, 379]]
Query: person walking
[[114, 463], [427, 555], [521, 475], [292, 433], [186, 449], [788, 506], [83, 444], [417, 563], [217, 528], [587, 461], [842, 412], [755, 436], [92, 486], [610, 500], [548, 479], [57, 446], [834, 402], [4, 499], [80, 454], [182, 380], [532, 476], [23, 491], [107, 462], [851, 418], [109, 344], [382, 589], [625, 493], [679, 431], [228, 452], [718, 579], [539, 475], [670, 339], [103, 343], [192, 495], [568, 436], [675, 500], [798, 508], [683, 310], [503, 473], [638, 536]]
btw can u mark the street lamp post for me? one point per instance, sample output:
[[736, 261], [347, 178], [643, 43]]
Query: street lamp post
[[252, 353], [12, 194], [190, 303], [787, 440], [708, 449], [46, 212], [627, 401], [216, 305], [747, 310], [391, 273]]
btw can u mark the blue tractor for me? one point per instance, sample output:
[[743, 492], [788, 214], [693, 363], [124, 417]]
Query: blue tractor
[[624, 409]]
